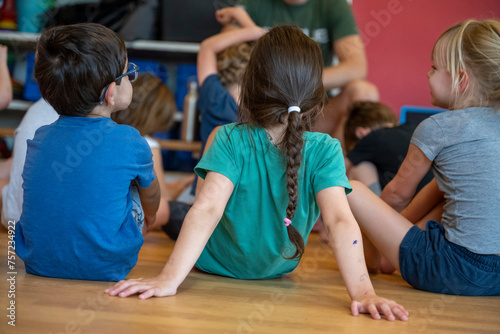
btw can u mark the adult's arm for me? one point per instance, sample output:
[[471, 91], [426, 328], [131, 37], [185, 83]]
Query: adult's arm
[[352, 63]]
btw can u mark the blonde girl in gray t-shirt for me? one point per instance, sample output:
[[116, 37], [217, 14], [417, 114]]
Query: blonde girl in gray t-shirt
[[457, 250]]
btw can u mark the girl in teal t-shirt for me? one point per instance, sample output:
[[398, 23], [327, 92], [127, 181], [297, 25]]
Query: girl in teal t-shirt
[[265, 181]]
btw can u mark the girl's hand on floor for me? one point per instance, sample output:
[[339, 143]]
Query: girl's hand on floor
[[376, 305], [146, 287]]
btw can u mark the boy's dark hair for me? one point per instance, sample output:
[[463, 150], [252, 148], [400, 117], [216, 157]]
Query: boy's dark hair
[[285, 69], [74, 63], [365, 114]]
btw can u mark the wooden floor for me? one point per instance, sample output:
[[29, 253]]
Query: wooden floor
[[310, 300]]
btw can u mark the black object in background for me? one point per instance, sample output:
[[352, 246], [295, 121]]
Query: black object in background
[[188, 20], [132, 19]]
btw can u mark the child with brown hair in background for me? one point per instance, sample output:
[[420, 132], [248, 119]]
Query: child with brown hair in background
[[376, 145]]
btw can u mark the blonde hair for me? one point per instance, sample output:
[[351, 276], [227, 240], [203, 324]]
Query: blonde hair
[[152, 108], [472, 47], [232, 61]]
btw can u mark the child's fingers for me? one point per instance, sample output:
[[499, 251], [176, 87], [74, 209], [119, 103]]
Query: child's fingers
[[221, 15], [390, 309], [356, 308], [118, 287], [400, 312], [401, 307], [386, 310], [372, 309], [148, 294], [133, 289]]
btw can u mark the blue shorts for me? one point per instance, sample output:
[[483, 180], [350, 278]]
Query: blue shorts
[[137, 211], [428, 261]]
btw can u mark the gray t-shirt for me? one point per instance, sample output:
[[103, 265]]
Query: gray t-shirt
[[465, 148]]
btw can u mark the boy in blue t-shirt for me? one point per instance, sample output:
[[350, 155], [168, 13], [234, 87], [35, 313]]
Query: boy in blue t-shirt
[[80, 218]]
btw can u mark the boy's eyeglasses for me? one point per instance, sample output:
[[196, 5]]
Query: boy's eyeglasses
[[132, 74]]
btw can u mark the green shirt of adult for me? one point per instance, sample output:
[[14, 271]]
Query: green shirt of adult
[[251, 237], [325, 21]]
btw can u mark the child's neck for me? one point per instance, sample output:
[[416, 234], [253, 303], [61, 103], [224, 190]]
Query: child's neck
[[234, 90], [276, 133], [101, 111]]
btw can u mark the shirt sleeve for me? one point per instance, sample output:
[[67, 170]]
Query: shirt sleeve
[[216, 106], [429, 138], [342, 22], [221, 156], [330, 170], [145, 165]]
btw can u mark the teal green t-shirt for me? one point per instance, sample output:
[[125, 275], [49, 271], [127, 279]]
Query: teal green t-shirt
[[325, 21], [251, 236]]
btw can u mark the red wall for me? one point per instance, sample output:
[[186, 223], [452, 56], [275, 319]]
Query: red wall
[[399, 36]]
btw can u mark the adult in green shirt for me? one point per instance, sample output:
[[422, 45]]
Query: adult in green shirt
[[331, 24]]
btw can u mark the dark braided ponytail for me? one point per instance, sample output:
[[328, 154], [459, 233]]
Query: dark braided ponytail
[[292, 144], [285, 70]]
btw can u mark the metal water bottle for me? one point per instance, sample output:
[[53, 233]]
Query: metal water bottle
[[190, 114]]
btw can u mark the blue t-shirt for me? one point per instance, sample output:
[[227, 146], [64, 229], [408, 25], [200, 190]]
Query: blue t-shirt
[[216, 105], [76, 220], [251, 237]]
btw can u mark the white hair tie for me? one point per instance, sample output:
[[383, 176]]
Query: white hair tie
[[294, 108]]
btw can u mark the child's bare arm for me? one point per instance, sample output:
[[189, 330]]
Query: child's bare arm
[[210, 47], [150, 200], [424, 201], [197, 228], [402, 187], [211, 137], [345, 239]]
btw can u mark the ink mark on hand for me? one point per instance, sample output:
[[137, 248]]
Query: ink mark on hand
[[355, 242], [362, 278]]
